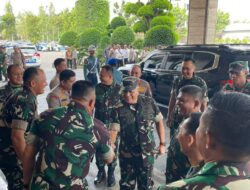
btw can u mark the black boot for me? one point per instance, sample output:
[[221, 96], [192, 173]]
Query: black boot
[[101, 175], [111, 177]]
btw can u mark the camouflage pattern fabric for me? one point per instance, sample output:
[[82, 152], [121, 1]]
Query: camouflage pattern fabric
[[68, 144], [231, 88], [221, 175], [180, 82], [21, 108], [136, 124], [177, 163], [3, 66], [106, 99], [6, 91]]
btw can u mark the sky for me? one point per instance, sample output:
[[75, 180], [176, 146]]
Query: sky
[[238, 9]]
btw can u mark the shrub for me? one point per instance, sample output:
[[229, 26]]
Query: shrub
[[122, 35], [90, 36], [68, 38]]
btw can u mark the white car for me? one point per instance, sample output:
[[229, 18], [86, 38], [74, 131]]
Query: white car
[[32, 57]]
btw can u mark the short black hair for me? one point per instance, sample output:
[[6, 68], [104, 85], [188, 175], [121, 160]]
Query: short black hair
[[12, 66], [58, 61], [66, 75], [30, 74], [188, 59], [228, 120], [108, 68], [82, 89], [193, 122], [192, 90]]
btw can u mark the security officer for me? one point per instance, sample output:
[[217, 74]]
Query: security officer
[[60, 95], [238, 72], [18, 114], [135, 118], [15, 76], [223, 141], [91, 67], [68, 144], [189, 100], [3, 63], [107, 96], [188, 78]]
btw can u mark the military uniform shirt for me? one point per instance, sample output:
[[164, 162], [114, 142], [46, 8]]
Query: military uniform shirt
[[58, 97], [179, 82], [136, 125], [106, 99], [231, 88], [18, 112], [213, 175], [68, 144]]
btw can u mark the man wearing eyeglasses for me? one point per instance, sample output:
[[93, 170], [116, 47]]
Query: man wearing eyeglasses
[[238, 72]]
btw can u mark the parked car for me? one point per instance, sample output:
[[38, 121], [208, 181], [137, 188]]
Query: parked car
[[32, 57], [212, 63]]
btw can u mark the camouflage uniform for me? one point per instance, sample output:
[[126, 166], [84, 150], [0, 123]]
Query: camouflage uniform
[[231, 88], [6, 91], [106, 98], [177, 164], [136, 124], [68, 144], [221, 175], [18, 111], [58, 97]]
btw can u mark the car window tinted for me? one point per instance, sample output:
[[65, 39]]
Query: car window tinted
[[153, 62], [203, 60], [173, 61]]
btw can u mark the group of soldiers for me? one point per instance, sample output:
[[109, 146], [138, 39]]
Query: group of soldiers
[[53, 150]]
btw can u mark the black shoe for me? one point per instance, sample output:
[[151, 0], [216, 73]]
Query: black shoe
[[101, 175], [111, 178]]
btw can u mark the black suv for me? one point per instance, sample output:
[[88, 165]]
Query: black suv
[[161, 67]]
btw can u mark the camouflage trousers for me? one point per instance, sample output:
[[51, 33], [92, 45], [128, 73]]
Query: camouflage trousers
[[14, 177], [133, 171], [99, 161], [39, 183], [177, 163]]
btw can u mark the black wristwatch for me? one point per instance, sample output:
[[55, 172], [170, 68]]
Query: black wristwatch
[[163, 143], [26, 186]]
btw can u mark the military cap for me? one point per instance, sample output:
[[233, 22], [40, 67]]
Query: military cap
[[91, 48], [239, 66], [129, 83]]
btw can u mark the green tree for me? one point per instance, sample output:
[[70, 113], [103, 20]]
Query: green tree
[[160, 35], [68, 38], [223, 19], [117, 21], [90, 36], [146, 12], [8, 23], [138, 43], [181, 25], [122, 35], [105, 40], [92, 13]]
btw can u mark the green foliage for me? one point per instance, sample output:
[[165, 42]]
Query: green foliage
[[232, 41], [117, 21], [138, 43], [181, 19], [132, 8], [68, 38], [140, 26], [105, 41], [145, 11], [161, 5], [89, 37], [163, 20], [91, 14], [122, 35], [222, 21], [8, 25], [160, 35]]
